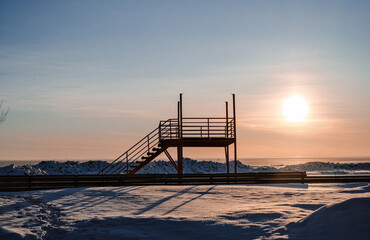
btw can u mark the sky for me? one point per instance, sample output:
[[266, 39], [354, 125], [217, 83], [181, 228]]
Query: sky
[[88, 79]]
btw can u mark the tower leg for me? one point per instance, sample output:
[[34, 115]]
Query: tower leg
[[179, 159], [235, 158], [227, 159], [235, 152]]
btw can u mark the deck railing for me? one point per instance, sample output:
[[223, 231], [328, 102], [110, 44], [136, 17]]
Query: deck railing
[[170, 130], [197, 128]]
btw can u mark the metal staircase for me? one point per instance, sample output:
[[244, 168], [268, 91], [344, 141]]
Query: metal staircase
[[177, 132], [195, 132]]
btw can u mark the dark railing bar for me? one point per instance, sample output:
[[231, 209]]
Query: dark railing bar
[[203, 118], [195, 122], [140, 153], [197, 134], [111, 164], [115, 170], [138, 149], [197, 130], [126, 163], [142, 139], [205, 133], [120, 169], [142, 150], [142, 145], [196, 126]]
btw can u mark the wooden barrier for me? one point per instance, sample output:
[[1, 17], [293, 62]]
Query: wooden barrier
[[38, 182]]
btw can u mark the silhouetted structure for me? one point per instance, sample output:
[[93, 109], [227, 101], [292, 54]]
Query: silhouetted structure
[[178, 132]]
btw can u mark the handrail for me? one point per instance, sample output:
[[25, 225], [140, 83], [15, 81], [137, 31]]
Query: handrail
[[118, 160], [196, 127]]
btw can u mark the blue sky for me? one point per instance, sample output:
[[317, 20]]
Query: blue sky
[[86, 79]]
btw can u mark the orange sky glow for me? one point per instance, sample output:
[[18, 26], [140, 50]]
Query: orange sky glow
[[90, 85]]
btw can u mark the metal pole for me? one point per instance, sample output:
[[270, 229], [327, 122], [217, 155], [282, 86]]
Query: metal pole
[[235, 152], [178, 120], [160, 131], [208, 126], [180, 147], [227, 136], [227, 119], [227, 159], [148, 145], [126, 163], [181, 114]]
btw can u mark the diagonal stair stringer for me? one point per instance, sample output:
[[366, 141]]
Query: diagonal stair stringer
[[149, 159]]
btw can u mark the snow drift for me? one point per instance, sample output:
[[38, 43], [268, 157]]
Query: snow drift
[[346, 220], [190, 166]]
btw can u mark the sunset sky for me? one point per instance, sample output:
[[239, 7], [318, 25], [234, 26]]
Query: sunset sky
[[88, 79]]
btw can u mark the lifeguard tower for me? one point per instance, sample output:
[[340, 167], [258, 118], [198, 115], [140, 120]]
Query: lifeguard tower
[[178, 133]]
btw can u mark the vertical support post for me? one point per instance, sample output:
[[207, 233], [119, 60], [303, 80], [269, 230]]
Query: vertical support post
[[208, 126], [178, 120], [227, 136], [148, 145], [126, 163], [170, 124], [227, 159], [227, 120], [160, 131], [181, 115], [235, 152], [180, 147]]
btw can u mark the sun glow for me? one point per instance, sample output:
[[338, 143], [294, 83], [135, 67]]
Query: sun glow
[[295, 109]]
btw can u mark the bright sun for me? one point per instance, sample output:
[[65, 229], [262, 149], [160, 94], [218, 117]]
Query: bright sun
[[295, 109]]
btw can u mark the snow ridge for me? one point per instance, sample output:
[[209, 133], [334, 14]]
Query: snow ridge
[[345, 220], [190, 166]]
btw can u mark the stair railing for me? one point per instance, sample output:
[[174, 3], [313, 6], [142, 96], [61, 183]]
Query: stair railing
[[169, 130], [133, 154]]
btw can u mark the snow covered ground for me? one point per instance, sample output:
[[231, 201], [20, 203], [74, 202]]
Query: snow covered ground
[[292, 211], [190, 166]]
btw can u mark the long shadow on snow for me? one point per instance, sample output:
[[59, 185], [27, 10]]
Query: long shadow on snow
[[24, 199], [167, 228], [92, 198], [27, 199], [190, 200], [159, 202]]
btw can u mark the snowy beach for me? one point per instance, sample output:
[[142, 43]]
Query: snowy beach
[[291, 211], [177, 120], [282, 211]]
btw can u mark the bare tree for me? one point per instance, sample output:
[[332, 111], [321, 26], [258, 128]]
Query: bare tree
[[4, 113]]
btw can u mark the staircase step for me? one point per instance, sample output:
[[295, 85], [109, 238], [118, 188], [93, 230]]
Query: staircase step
[[144, 157], [150, 153], [155, 149]]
